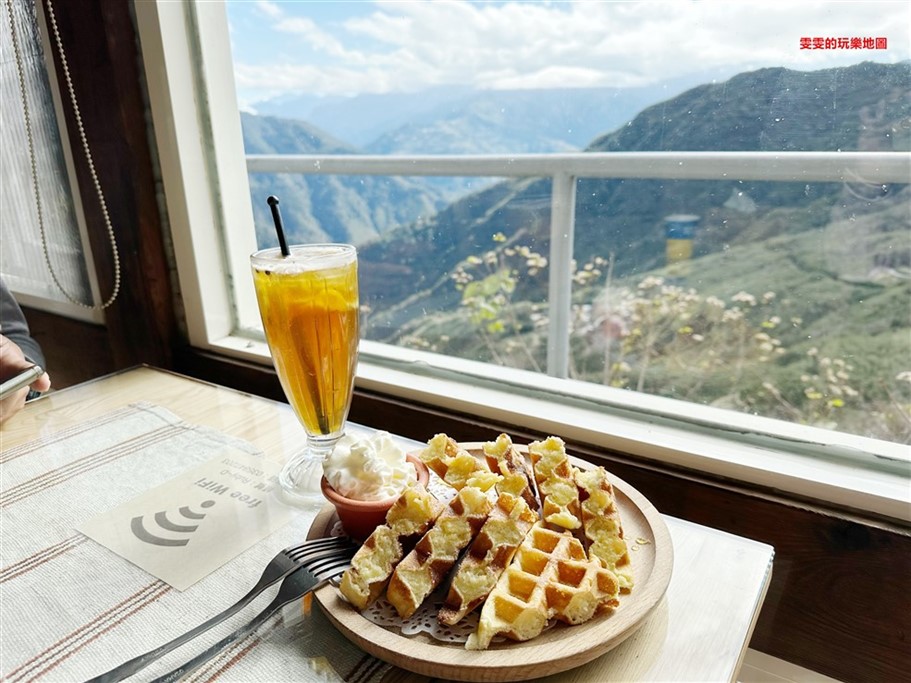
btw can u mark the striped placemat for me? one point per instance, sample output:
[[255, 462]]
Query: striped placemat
[[71, 609]]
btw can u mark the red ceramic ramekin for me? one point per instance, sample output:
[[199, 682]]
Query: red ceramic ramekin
[[360, 517]]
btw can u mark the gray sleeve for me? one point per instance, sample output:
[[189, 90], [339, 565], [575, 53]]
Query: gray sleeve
[[14, 326]]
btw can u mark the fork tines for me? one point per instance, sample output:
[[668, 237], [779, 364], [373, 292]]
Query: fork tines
[[318, 548], [324, 558], [329, 567]]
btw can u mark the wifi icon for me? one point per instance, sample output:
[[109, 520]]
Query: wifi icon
[[162, 522]]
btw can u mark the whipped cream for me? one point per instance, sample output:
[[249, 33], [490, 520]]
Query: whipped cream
[[368, 469]]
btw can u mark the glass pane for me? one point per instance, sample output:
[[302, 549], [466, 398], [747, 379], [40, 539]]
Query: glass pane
[[22, 259], [786, 300], [781, 298], [469, 281]]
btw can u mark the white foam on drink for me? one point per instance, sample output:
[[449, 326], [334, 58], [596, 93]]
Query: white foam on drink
[[304, 259]]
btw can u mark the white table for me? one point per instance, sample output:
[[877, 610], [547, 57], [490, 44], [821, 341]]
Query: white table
[[699, 631]]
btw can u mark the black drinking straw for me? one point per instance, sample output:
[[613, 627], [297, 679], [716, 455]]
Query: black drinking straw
[[272, 201]]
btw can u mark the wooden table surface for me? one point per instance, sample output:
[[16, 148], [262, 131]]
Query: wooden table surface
[[699, 631]]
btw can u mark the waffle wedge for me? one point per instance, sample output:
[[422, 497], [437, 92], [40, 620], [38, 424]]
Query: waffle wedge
[[456, 466], [503, 457], [603, 532], [549, 577], [422, 570], [408, 520], [487, 558], [556, 483]]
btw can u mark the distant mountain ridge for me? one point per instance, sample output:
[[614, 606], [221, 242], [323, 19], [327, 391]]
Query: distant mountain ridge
[[326, 208], [568, 117], [448, 121], [519, 121], [515, 122]]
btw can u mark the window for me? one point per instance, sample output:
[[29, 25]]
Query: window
[[658, 265], [38, 228]]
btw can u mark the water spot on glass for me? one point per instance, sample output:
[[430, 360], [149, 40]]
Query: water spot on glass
[[316, 164]]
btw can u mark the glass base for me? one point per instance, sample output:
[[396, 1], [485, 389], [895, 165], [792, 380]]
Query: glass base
[[300, 477]]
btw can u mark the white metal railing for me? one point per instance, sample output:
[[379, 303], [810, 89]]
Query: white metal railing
[[565, 169]]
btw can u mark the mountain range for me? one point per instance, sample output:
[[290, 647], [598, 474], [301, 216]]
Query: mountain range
[[326, 208], [436, 121], [862, 107], [549, 120]]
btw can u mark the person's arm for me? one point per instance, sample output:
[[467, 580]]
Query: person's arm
[[18, 352], [14, 326]]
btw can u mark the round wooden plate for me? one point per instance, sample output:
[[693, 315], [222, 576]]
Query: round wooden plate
[[557, 649]]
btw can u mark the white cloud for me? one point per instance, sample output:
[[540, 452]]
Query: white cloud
[[307, 30], [406, 45], [268, 8]]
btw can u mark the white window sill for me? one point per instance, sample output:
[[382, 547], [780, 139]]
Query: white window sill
[[857, 473]]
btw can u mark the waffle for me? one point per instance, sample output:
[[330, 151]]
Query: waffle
[[554, 475], [549, 577], [456, 466], [503, 457], [489, 555], [408, 519], [433, 557], [603, 533]]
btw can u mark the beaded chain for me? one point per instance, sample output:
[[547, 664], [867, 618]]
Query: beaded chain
[[85, 147]]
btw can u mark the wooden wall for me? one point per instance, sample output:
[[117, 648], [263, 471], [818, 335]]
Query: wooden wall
[[100, 44], [839, 601], [74, 351]]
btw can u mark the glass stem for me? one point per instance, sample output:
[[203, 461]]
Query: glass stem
[[300, 477]]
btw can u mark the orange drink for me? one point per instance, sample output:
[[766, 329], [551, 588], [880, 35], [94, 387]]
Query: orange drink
[[308, 302]]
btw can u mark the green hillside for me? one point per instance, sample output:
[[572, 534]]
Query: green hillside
[[790, 293]]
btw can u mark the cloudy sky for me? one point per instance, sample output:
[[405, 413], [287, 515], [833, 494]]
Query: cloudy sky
[[358, 46]]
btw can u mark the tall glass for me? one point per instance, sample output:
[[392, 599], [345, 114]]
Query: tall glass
[[308, 302]]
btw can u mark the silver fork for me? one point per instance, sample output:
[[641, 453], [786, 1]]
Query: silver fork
[[308, 554], [294, 587]]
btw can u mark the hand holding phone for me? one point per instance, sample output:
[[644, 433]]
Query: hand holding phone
[[23, 379]]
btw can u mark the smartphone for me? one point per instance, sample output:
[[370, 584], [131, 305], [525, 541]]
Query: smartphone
[[23, 379]]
